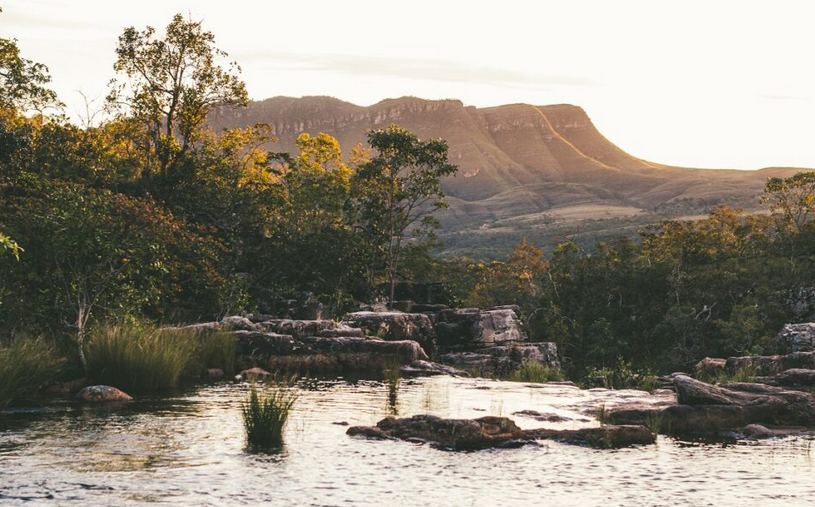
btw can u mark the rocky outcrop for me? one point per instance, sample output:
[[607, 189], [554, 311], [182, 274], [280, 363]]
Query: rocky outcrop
[[771, 365], [793, 338], [422, 368], [491, 431], [710, 367], [706, 409], [302, 328], [396, 326], [503, 360], [795, 377], [468, 329], [99, 394]]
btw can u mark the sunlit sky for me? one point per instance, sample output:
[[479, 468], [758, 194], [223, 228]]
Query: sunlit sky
[[694, 83]]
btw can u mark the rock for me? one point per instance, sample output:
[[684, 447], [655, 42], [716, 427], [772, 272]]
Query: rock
[[605, 437], [710, 367], [453, 434], [215, 373], [299, 329], [543, 417], [97, 394], [795, 377], [262, 344], [793, 338], [503, 360], [492, 432], [757, 431], [237, 323], [468, 329], [706, 409], [770, 365], [396, 326], [427, 369], [253, 374]]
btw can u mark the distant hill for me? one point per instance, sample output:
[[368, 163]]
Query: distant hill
[[542, 172]]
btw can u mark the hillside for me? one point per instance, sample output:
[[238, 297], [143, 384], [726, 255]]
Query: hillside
[[543, 172]]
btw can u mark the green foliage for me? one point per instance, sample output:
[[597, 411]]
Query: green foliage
[[746, 373], [397, 191], [623, 376], [9, 247], [534, 372], [22, 82], [25, 364], [140, 357], [266, 412]]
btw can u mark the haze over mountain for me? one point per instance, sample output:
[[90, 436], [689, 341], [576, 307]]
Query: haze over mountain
[[520, 166]]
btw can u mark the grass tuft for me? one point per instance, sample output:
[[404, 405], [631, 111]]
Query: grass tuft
[[536, 373], [140, 357], [266, 412], [25, 364]]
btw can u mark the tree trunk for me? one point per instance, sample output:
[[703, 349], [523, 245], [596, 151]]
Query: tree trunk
[[80, 337]]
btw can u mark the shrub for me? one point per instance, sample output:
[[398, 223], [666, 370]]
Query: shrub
[[25, 364], [140, 357], [266, 412], [623, 376], [533, 371]]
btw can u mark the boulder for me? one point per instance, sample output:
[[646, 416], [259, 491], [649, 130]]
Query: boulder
[[492, 431], [253, 374], [262, 344], [302, 328], [710, 367], [793, 338], [468, 329], [396, 326], [97, 394], [795, 377], [215, 373], [503, 360], [770, 365]]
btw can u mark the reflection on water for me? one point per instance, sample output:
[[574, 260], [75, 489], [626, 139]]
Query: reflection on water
[[188, 449]]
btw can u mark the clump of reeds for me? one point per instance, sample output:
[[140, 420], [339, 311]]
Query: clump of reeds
[[535, 372], [216, 350], [25, 364], [140, 357], [265, 413]]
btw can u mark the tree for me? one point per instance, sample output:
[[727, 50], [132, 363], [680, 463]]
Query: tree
[[9, 246], [398, 190], [22, 82], [171, 86], [792, 198]]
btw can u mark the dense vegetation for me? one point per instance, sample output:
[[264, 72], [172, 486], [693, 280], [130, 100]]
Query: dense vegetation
[[151, 215]]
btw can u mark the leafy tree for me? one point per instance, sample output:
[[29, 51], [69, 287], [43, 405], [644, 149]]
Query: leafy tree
[[793, 198], [9, 246], [171, 85], [398, 190], [22, 82]]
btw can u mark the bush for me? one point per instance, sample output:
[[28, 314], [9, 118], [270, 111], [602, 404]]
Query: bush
[[533, 371], [25, 364], [623, 376], [140, 357], [265, 414]]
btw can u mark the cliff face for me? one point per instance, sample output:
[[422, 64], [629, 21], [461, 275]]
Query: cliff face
[[513, 160]]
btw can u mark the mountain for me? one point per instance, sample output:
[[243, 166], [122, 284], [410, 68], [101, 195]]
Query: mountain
[[541, 172]]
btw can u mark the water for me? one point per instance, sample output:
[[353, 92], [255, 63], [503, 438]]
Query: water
[[188, 450]]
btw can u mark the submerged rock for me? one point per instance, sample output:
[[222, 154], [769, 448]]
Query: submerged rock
[[492, 431], [98, 394], [422, 368], [253, 374]]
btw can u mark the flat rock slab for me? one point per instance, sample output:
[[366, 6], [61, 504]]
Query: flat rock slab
[[395, 326], [100, 394], [493, 432], [422, 368]]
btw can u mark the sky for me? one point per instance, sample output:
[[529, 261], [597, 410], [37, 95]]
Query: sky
[[713, 83]]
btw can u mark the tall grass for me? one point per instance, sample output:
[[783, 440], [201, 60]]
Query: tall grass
[[266, 412], [140, 357], [746, 373], [216, 350], [25, 364], [536, 373]]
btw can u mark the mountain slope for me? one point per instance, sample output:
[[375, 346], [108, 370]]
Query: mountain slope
[[515, 160]]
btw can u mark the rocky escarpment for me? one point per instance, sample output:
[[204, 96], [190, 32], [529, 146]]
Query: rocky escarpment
[[485, 342]]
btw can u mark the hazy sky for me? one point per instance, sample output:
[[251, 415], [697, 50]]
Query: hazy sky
[[709, 83]]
